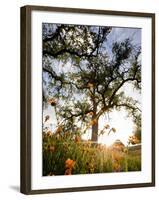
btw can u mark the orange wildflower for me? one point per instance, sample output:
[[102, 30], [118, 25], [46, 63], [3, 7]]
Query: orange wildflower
[[51, 148], [116, 167], [49, 133], [58, 130], [90, 85], [68, 171], [77, 138], [66, 133], [107, 126], [52, 101], [90, 113], [133, 140], [92, 122], [117, 156], [125, 150], [69, 163], [114, 130]]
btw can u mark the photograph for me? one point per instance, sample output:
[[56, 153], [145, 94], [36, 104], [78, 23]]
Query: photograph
[[88, 99], [91, 99]]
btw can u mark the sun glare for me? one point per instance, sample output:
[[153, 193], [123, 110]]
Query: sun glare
[[117, 119], [123, 125]]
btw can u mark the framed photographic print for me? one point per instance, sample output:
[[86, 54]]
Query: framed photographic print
[[87, 99]]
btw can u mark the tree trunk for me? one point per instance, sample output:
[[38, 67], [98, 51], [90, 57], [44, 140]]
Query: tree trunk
[[94, 137], [95, 132]]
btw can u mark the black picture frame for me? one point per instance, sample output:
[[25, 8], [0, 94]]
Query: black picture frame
[[26, 118]]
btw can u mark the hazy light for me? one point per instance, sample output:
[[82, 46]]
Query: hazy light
[[123, 125]]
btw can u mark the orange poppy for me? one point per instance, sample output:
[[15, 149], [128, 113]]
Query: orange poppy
[[90, 85], [52, 101], [77, 138], [68, 171], [69, 163]]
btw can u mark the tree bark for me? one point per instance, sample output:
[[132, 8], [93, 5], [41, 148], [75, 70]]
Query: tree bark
[[94, 137], [95, 132]]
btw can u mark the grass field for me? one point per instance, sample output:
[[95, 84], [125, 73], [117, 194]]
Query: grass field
[[65, 156]]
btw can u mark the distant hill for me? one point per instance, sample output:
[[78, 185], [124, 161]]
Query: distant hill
[[135, 149]]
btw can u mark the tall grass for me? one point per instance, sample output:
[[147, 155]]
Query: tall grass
[[64, 155]]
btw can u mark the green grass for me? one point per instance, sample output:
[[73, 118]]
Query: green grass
[[62, 155]]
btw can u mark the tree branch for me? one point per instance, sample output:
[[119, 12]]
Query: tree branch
[[65, 50], [128, 106], [120, 85]]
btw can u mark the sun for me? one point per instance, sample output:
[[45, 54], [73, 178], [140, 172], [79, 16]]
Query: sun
[[124, 128]]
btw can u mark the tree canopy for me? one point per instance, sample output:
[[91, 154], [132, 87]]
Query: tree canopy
[[83, 78]]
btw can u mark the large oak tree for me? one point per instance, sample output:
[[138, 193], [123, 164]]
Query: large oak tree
[[87, 77]]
